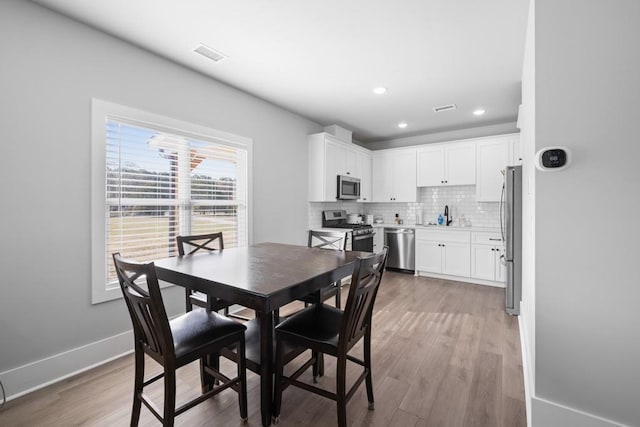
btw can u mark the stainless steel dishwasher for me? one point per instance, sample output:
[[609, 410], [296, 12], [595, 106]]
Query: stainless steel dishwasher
[[402, 248]]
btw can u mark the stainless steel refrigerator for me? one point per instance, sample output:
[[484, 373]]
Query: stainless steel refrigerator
[[511, 225]]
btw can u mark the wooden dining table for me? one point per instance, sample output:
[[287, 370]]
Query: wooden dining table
[[262, 277]]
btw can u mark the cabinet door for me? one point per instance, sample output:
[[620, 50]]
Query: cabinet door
[[428, 256], [430, 166], [515, 151], [483, 261], [460, 164], [378, 239], [491, 161], [404, 176], [382, 178], [364, 173], [456, 259], [335, 165], [351, 163], [501, 267]]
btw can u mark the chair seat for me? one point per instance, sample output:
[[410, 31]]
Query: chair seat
[[197, 328], [252, 342], [319, 323]]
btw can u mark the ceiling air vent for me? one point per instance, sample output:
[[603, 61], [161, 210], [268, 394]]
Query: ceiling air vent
[[444, 108], [210, 53]]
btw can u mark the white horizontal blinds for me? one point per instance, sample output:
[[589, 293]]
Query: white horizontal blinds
[[159, 185], [216, 198]]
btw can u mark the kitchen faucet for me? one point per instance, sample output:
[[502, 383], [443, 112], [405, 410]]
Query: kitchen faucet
[[448, 220]]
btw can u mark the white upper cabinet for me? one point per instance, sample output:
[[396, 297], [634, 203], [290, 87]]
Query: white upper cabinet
[[492, 159], [330, 157], [515, 151], [447, 164], [364, 173], [394, 176]]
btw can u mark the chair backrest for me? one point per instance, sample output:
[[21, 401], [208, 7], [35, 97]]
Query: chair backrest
[[363, 290], [209, 242], [336, 240], [150, 324]]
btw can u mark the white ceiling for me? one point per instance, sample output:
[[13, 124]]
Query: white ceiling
[[322, 59]]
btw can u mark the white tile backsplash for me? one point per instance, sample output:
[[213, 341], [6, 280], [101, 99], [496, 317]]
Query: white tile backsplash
[[432, 200]]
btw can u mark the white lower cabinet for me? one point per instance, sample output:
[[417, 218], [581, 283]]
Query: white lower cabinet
[[378, 239], [486, 257], [443, 252]]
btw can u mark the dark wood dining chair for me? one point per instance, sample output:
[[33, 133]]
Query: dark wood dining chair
[[332, 240], [188, 245], [325, 329], [173, 344]]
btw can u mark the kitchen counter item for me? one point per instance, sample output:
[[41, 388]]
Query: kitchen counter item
[[354, 219], [402, 252], [435, 226]]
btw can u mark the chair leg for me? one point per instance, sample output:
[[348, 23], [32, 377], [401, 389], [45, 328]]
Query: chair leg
[[367, 366], [188, 305], [279, 365], [341, 401], [137, 388], [169, 396], [207, 381], [242, 374], [316, 365], [320, 361]]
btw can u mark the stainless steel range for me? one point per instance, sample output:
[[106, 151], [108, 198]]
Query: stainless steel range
[[361, 234]]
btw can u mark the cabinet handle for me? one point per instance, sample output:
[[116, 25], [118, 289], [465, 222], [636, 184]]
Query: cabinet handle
[[495, 240], [348, 173]]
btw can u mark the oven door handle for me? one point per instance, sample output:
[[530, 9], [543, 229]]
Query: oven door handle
[[363, 236]]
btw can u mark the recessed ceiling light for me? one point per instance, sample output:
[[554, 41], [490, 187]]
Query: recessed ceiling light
[[402, 125], [379, 90], [478, 112]]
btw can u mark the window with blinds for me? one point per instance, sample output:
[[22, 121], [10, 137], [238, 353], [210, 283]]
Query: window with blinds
[[160, 182]]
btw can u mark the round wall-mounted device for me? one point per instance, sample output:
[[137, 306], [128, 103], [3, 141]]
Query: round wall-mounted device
[[553, 158]]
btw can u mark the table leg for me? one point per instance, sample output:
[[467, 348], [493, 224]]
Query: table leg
[[266, 366]]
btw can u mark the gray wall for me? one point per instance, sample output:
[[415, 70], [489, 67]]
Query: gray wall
[[587, 88], [50, 69]]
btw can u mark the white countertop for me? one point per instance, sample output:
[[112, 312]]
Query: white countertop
[[438, 227]]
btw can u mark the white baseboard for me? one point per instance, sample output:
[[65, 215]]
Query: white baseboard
[[461, 279], [542, 412], [527, 366], [41, 373], [551, 414]]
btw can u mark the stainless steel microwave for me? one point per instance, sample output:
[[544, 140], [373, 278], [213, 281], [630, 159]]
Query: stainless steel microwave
[[348, 188]]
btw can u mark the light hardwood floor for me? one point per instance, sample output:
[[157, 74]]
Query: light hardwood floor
[[444, 354]]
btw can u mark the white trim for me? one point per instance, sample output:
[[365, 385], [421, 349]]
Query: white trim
[[461, 279], [527, 368], [549, 414], [100, 111], [41, 373]]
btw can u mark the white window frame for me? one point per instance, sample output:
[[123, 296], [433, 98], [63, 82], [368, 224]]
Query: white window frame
[[101, 112]]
